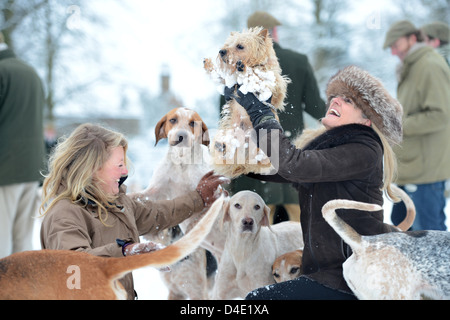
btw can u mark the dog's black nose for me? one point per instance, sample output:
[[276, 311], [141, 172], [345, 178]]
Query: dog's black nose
[[182, 136], [222, 52], [248, 222]]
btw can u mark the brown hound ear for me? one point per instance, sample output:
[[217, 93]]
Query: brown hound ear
[[205, 135], [226, 211], [265, 220], [160, 132]]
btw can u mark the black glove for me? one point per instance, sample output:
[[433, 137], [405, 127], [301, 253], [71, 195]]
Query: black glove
[[258, 111]]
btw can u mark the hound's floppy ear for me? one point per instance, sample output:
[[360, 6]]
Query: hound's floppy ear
[[160, 132], [265, 220], [205, 135], [226, 213]]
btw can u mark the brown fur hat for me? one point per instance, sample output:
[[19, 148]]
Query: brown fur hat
[[369, 94]]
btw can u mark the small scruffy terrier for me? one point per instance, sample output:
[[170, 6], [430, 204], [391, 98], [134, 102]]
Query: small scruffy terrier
[[248, 60]]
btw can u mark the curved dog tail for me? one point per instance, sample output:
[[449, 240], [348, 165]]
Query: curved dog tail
[[410, 208], [347, 233], [116, 268]]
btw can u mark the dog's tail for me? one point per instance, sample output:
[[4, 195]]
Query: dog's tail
[[116, 268], [410, 208], [347, 233]]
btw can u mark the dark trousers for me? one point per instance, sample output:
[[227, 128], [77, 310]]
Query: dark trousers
[[298, 289], [429, 200]]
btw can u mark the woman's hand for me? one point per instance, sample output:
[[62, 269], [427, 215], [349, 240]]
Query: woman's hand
[[139, 248], [132, 249], [210, 188]]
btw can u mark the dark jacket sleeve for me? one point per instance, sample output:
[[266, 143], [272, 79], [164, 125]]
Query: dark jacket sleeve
[[341, 163]]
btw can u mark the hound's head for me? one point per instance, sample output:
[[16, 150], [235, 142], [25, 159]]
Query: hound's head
[[247, 212], [182, 127], [287, 266]]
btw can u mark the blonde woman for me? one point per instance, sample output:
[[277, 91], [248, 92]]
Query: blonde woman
[[85, 205], [351, 158]]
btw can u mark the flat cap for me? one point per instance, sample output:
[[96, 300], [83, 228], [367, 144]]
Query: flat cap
[[397, 30], [439, 30], [262, 19]]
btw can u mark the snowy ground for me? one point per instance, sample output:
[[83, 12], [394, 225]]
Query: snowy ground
[[147, 281]]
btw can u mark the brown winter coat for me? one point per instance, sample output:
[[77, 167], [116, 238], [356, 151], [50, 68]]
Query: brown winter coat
[[342, 163], [69, 226]]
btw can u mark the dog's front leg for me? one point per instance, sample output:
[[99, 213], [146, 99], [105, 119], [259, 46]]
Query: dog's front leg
[[225, 284], [208, 65]]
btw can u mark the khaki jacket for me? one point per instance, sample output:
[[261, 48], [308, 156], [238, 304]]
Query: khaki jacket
[[424, 92], [69, 226]]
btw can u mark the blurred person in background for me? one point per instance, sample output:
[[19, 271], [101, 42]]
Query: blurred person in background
[[22, 150], [424, 155], [437, 35], [302, 95]]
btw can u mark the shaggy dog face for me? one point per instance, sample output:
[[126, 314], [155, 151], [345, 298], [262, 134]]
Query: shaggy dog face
[[248, 60]]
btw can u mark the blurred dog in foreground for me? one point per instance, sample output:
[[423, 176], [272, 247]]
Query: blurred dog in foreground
[[73, 275]]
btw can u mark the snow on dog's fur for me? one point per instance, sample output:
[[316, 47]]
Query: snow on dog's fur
[[248, 60], [398, 265]]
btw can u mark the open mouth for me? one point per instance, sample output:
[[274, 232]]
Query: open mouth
[[175, 143], [334, 112]]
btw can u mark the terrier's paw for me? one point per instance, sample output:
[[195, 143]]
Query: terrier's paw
[[208, 65], [240, 66]]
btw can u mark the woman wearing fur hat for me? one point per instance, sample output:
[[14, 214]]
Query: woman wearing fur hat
[[343, 161]]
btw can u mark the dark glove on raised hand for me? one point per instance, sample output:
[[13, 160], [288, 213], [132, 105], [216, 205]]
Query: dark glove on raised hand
[[258, 111]]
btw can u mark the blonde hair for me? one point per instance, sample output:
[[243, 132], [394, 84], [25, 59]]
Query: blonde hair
[[390, 166], [72, 166]]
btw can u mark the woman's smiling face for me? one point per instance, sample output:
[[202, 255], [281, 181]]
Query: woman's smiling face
[[111, 172], [342, 111]]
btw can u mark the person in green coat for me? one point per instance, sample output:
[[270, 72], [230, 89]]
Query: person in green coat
[[303, 94], [437, 35], [22, 150], [424, 155]]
